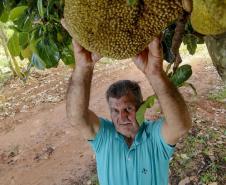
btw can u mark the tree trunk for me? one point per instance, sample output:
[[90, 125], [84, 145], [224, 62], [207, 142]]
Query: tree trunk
[[216, 46]]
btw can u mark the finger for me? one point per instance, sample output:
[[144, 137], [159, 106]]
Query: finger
[[136, 59], [141, 58], [155, 48], [77, 47], [161, 35]]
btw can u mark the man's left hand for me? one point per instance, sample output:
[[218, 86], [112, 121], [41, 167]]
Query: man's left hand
[[150, 61]]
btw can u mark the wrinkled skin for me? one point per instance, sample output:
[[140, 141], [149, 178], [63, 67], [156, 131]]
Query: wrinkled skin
[[123, 115]]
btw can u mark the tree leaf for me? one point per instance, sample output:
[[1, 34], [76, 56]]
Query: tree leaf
[[15, 13], [1, 8], [26, 52], [167, 43], [23, 39], [191, 41], [48, 52], [13, 44], [67, 56], [24, 22], [38, 62], [40, 8], [181, 75], [4, 16], [149, 102]]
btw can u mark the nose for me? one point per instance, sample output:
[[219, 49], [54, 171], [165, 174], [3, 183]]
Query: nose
[[124, 116]]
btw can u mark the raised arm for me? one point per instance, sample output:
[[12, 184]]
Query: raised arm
[[177, 117], [78, 94]]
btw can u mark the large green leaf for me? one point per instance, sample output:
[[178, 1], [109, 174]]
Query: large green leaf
[[15, 13], [24, 22], [23, 39], [167, 43], [37, 62], [40, 8], [48, 52], [13, 44], [181, 75], [191, 41], [149, 102]]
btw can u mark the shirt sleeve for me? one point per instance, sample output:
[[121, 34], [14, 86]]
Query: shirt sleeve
[[103, 135], [155, 131]]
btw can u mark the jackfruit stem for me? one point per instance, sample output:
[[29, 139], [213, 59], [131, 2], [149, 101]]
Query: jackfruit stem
[[178, 38]]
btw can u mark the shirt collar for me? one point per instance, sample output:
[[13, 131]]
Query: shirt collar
[[140, 137]]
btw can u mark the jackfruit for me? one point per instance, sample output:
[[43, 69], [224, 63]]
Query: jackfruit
[[217, 8], [114, 29], [203, 21]]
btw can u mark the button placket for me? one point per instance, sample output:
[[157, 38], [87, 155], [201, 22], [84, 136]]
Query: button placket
[[129, 155]]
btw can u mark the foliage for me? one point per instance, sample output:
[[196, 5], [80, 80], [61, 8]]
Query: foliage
[[182, 74], [167, 43], [179, 78], [148, 103], [94, 180], [220, 95], [191, 39], [38, 34]]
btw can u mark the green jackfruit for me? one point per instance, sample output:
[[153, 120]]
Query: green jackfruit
[[112, 28], [203, 20], [217, 8]]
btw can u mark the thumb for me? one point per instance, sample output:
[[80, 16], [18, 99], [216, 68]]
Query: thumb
[[155, 48], [77, 47]]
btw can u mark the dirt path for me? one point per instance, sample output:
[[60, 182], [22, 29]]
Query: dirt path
[[38, 146]]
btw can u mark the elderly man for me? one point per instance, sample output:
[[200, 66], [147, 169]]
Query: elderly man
[[127, 154]]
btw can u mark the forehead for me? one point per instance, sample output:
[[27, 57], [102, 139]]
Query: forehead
[[129, 99]]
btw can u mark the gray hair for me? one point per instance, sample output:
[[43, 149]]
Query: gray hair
[[122, 88]]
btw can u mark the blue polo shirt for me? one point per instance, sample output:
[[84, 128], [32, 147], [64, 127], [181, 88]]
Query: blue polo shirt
[[146, 162]]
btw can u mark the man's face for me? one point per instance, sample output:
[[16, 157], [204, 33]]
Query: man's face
[[123, 115]]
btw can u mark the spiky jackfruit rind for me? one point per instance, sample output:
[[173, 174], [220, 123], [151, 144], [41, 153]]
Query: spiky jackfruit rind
[[202, 21], [115, 29]]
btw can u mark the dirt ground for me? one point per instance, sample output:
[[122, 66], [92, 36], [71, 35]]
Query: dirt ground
[[39, 147]]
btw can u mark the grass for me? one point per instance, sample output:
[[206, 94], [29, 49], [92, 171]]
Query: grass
[[202, 155], [210, 175], [94, 180], [218, 95]]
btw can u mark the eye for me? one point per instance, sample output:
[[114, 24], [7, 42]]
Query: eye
[[115, 111], [129, 109]]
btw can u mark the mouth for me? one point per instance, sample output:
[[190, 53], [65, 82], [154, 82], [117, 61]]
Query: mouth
[[125, 124]]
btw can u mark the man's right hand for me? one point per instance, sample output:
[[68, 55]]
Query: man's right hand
[[83, 57]]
